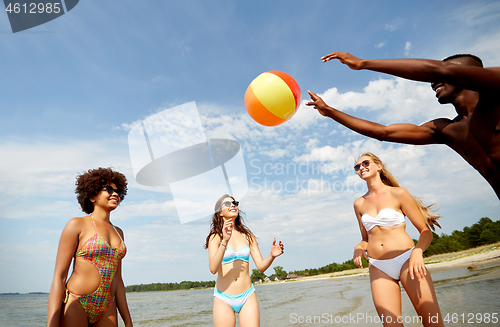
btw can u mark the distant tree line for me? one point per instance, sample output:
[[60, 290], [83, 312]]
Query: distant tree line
[[185, 285], [485, 231], [331, 268]]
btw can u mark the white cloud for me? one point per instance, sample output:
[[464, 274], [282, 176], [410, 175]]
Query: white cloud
[[477, 14], [487, 48], [147, 208], [304, 117], [127, 126], [407, 48], [277, 153], [50, 166], [394, 25], [44, 172], [311, 143]]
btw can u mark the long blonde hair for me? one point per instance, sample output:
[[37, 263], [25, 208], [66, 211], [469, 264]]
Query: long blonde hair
[[390, 180]]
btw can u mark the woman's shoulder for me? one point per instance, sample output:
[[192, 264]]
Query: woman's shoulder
[[214, 237], [75, 225], [399, 192], [77, 222], [359, 202], [119, 230], [251, 237]]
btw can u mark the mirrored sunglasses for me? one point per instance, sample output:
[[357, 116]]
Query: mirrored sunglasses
[[364, 163], [112, 190], [228, 203]]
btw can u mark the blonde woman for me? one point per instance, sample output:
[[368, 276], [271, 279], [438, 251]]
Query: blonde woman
[[392, 254], [230, 244]]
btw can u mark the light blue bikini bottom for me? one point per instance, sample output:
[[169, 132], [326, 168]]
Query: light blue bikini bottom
[[235, 301]]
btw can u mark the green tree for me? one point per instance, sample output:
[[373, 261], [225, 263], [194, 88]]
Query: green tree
[[256, 275], [280, 272], [490, 233], [473, 233]]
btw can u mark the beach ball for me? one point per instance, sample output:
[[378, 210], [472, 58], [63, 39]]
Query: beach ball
[[272, 98]]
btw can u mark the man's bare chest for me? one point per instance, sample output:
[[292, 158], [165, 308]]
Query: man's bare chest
[[477, 137]]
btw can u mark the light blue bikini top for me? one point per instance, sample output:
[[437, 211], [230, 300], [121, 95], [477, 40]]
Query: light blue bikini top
[[230, 255], [386, 217], [242, 254]]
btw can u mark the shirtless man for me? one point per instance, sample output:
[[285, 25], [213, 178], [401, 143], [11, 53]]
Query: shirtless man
[[460, 80]]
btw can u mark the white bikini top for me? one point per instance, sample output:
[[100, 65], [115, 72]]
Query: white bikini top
[[386, 217]]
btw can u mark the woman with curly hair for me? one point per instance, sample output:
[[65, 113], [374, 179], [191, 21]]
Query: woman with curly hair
[[234, 291], [95, 289], [392, 254]]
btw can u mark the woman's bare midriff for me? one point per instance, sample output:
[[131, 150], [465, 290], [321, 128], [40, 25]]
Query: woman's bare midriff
[[388, 242], [85, 278], [233, 278]]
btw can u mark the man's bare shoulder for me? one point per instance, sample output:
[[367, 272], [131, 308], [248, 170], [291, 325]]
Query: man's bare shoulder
[[444, 130], [495, 69], [440, 123]]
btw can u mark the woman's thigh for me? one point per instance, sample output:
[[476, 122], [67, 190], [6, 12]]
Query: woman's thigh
[[72, 314], [223, 315], [109, 318], [249, 315], [386, 294], [423, 297]]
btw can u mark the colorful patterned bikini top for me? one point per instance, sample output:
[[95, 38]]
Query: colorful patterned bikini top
[[104, 257], [386, 217]]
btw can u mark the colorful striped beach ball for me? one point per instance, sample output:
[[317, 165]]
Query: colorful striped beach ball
[[272, 98]]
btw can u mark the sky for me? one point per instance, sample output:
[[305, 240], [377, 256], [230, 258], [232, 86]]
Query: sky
[[73, 88]]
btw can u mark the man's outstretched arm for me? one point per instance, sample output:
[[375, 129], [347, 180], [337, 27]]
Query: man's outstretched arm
[[426, 70], [399, 133]]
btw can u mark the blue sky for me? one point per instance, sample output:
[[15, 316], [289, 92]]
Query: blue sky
[[73, 88]]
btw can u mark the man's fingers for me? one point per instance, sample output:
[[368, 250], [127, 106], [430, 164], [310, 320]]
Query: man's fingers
[[329, 56]]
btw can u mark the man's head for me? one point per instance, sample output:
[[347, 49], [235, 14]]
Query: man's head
[[447, 93], [465, 59]]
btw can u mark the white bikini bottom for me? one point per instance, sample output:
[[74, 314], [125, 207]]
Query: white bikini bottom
[[392, 267]]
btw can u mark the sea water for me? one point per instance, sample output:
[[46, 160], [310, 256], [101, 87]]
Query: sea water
[[327, 302]]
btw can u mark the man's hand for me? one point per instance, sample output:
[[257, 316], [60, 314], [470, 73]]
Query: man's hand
[[345, 58], [318, 103]]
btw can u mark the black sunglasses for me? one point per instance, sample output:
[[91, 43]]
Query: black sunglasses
[[112, 190], [228, 203], [364, 163]]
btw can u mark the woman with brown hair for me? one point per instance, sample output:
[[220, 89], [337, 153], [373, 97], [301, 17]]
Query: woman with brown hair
[[392, 254], [234, 291], [95, 289]]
